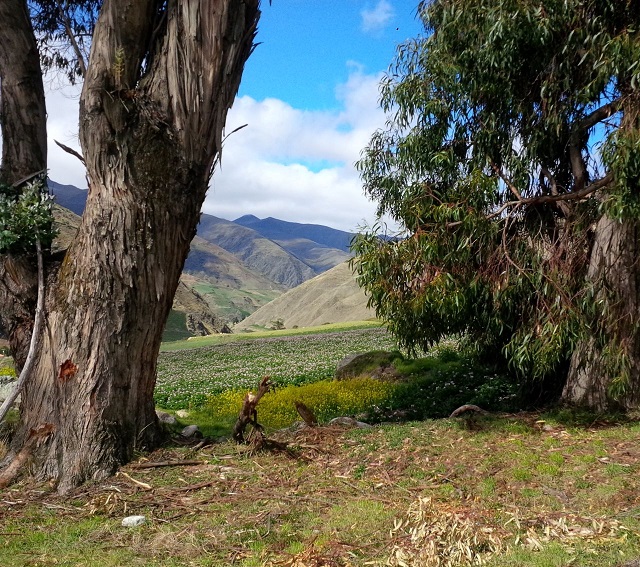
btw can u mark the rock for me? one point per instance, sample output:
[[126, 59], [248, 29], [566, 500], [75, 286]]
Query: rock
[[133, 521], [376, 364], [191, 431], [349, 422], [345, 362], [165, 417], [182, 413]]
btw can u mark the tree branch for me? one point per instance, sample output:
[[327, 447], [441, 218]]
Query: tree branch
[[72, 39], [599, 114], [543, 199], [578, 167], [553, 187], [504, 178], [70, 151], [35, 335]]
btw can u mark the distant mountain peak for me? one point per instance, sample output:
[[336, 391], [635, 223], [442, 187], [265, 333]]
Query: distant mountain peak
[[247, 219]]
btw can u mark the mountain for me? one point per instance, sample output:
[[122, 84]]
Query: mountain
[[276, 229], [257, 252], [319, 247], [229, 286], [237, 269], [331, 297], [69, 196]]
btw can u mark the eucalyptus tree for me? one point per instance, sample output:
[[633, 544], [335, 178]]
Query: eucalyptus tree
[[158, 81], [511, 160]]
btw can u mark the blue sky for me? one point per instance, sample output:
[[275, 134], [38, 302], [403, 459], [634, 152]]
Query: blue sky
[[308, 47], [309, 97]]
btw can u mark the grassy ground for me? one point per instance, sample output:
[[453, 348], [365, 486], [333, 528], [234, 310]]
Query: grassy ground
[[519, 490], [504, 491]]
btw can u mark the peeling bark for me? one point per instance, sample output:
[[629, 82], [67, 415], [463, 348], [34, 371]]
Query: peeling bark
[[24, 153], [22, 104], [152, 111]]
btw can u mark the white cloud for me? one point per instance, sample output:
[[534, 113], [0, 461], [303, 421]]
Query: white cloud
[[292, 164], [298, 165], [375, 19], [62, 125]]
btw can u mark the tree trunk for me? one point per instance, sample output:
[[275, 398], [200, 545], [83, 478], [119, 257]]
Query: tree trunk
[[24, 153], [614, 267], [159, 83]]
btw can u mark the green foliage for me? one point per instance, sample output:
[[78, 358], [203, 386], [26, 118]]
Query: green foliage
[[438, 386], [8, 371], [497, 112], [621, 154], [26, 215], [327, 399]]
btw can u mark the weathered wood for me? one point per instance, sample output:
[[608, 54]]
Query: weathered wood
[[165, 464], [25, 373], [36, 436], [306, 414], [24, 153], [249, 414]]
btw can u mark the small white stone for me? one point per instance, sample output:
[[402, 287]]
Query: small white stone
[[133, 521], [182, 413]]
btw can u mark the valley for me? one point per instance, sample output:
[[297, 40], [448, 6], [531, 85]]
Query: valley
[[235, 268]]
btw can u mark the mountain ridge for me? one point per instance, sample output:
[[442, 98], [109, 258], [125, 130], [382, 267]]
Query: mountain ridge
[[234, 268]]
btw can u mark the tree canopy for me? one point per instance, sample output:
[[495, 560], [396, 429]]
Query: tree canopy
[[512, 140]]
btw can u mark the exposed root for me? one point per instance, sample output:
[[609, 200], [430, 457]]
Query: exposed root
[[12, 470]]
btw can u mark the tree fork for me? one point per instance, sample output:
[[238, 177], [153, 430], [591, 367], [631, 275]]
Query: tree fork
[[150, 136]]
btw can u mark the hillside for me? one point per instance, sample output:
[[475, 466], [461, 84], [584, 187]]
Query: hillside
[[319, 247], [276, 229], [257, 252], [285, 253], [332, 297], [235, 268], [191, 314]]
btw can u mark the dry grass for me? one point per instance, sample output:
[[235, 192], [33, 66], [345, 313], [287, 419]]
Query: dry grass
[[432, 494]]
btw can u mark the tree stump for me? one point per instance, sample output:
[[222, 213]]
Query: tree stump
[[249, 414]]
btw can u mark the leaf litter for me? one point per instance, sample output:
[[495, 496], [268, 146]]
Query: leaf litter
[[420, 494]]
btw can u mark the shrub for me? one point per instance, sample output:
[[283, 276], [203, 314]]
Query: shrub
[[327, 399], [8, 371], [435, 388]]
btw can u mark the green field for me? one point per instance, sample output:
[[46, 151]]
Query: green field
[[231, 303], [187, 375], [213, 340]]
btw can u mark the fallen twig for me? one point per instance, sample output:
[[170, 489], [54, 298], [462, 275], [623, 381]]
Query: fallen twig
[[165, 464], [139, 483]]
